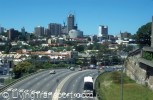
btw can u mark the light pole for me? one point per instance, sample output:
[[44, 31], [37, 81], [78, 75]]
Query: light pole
[[122, 62], [40, 56], [9, 60]]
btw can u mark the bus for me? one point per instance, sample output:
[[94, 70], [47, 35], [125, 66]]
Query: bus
[[88, 86]]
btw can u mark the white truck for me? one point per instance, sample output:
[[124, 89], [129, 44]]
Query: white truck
[[88, 86]]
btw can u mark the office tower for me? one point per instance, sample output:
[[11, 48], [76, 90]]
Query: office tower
[[152, 33], [103, 30], [1, 29], [12, 34], [23, 31], [70, 22], [55, 29], [47, 32], [64, 29], [125, 35], [39, 31]]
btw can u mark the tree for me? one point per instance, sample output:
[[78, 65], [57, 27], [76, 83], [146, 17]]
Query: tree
[[85, 62], [46, 65], [80, 48], [45, 58], [22, 67], [63, 65], [93, 60], [79, 62], [103, 50], [143, 34], [8, 46]]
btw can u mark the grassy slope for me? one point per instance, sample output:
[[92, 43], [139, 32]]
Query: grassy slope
[[108, 90]]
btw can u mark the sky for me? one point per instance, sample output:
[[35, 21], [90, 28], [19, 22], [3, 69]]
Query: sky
[[118, 15]]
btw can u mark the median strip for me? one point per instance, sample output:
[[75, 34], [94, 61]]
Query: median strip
[[59, 87]]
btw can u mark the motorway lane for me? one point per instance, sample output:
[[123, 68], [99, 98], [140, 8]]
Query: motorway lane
[[80, 83], [44, 82], [75, 85], [52, 84], [38, 82]]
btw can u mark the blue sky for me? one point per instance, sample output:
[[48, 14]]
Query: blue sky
[[118, 15]]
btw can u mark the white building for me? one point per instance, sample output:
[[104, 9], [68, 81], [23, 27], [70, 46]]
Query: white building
[[75, 33]]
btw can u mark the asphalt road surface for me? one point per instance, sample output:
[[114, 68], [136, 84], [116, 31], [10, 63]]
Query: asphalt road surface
[[64, 85]]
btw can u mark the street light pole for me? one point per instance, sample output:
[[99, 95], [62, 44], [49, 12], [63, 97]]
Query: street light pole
[[8, 62], [122, 81]]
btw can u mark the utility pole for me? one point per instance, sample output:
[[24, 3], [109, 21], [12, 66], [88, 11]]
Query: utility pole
[[122, 80]]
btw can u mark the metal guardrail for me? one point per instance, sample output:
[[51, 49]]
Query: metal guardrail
[[15, 81], [135, 52]]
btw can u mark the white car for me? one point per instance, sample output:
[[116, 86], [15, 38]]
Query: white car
[[72, 68], [52, 72]]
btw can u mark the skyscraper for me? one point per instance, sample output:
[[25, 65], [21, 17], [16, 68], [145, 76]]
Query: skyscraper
[[23, 31], [39, 31], [55, 29], [70, 22], [1, 29], [12, 34], [103, 30]]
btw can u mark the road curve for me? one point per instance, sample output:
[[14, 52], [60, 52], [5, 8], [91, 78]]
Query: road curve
[[43, 86]]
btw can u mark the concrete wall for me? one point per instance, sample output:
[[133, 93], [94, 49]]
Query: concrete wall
[[139, 72], [134, 71]]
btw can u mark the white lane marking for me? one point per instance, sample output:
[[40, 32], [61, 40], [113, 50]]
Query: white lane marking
[[59, 87]]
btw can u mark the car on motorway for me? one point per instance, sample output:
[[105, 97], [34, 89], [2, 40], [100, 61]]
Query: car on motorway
[[80, 69], [92, 66], [52, 72], [72, 68]]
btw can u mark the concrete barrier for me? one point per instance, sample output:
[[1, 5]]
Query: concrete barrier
[[15, 81]]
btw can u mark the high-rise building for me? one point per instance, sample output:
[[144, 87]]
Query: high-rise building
[[64, 29], [70, 22], [125, 35], [1, 29], [12, 34], [55, 29], [39, 31], [47, 32], [103, 30], [23, 31]]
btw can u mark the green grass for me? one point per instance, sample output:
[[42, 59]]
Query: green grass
[[108, 88]]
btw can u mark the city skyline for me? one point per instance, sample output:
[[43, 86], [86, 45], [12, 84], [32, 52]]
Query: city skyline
[[118, 15]]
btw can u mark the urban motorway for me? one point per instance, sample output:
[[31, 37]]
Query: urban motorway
[[63, 85]]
